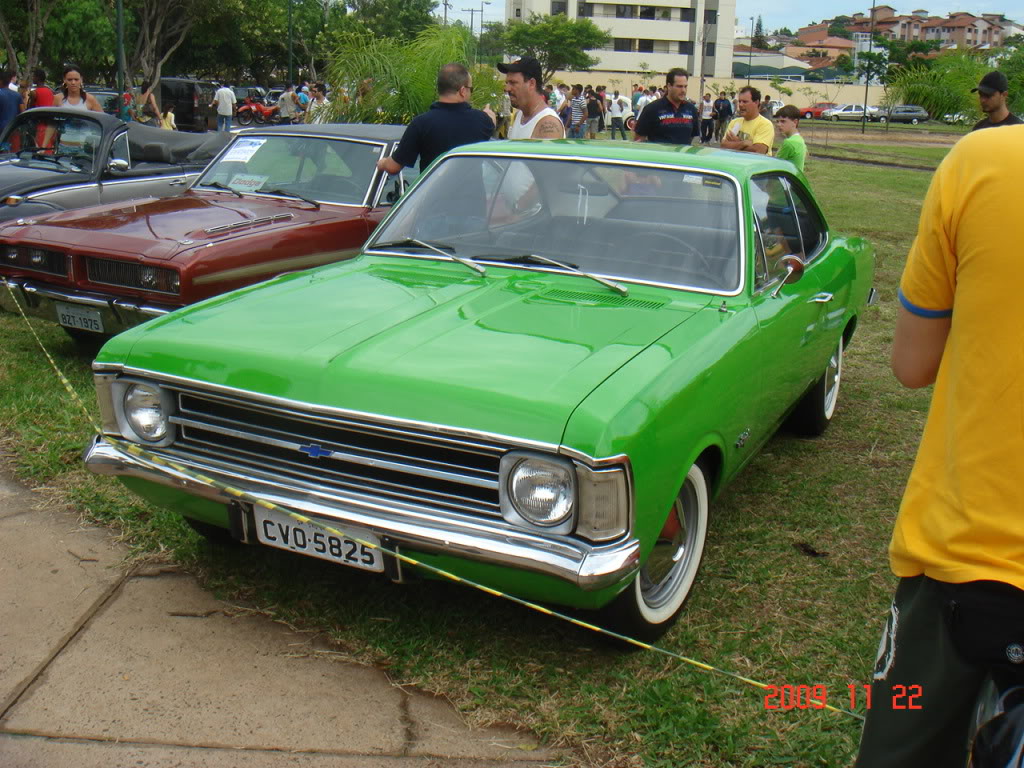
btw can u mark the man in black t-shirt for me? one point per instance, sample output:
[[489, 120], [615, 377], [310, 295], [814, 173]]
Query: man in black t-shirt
[[670, 119], [450, 122], [993, 91]]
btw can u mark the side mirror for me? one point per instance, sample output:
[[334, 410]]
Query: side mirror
[[117, 164], [794, 266]]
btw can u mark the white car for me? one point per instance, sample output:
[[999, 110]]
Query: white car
[[854, 112]]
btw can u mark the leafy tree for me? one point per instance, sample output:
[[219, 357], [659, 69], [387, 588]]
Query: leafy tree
[[901, 52], [492, 44], [395, 18], [1014, 42], [22, 28], [784, 31], [945, 87], [837, 27], [557, 42], [759, 40], [79, 31], [844, 64], [390, 80], [872, 66]]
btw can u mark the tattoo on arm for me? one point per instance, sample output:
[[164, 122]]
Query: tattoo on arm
[[549, 128]]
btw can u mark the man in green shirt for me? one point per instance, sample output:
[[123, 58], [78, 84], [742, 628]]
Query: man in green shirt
[[787, 121]]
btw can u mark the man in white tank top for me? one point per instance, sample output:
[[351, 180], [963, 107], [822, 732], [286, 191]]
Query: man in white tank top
[[534, 119]]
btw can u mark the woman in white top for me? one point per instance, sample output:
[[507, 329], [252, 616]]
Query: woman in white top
[[71, 94]]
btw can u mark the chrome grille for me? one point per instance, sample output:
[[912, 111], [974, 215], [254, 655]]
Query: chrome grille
[[129, 274], [340, 455]]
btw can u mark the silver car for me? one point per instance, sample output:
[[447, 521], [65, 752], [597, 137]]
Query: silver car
[[53, 159], [851, 112]]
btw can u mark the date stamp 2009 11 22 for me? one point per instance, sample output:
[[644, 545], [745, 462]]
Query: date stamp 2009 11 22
[[816, 696]]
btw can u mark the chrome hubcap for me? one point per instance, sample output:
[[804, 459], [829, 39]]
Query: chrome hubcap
[[673, 552], [832, 375]]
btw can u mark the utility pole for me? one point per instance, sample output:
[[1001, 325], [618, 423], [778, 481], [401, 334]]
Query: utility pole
[[122, 110], [472, 15], [291, 62], [446, 5], [867, 71], [750, 49]]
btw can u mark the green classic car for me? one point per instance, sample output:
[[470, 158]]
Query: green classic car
[[545, 363]]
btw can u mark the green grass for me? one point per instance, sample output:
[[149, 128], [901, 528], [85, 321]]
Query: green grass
[[761, 608], [900, 154]]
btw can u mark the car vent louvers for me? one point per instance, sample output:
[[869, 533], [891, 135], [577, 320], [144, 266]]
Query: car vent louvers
[[338, 456], [601, 298]]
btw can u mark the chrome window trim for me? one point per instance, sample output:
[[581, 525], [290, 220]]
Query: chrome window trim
[[327, 411], [55, 190], [381, 144], [741, 255]]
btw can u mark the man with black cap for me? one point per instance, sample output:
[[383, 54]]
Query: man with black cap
[[992, 92], [450, 122], [524, 86]]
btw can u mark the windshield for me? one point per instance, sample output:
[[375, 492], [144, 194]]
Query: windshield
[[323, 169], [64, 143], [676, 227]]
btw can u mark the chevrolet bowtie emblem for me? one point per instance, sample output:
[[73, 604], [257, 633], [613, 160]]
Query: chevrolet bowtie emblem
[[315, 451]]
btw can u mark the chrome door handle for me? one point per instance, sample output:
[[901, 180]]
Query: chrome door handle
[[176, 183], [821, 298]]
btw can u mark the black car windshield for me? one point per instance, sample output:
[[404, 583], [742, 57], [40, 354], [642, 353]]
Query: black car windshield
[[64, 142], [324, 169], [677, 227]]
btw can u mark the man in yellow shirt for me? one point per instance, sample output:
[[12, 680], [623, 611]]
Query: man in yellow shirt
[[750, 132], [958, 544]]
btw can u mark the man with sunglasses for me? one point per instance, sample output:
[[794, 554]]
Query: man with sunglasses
[[450, 122]]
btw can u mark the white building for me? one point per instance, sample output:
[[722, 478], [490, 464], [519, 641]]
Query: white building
[[661, 33]]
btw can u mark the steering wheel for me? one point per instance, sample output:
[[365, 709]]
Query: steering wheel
[[649, 240]]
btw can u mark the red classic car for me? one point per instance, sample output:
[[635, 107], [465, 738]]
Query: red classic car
[[275, 200], [814, 111]]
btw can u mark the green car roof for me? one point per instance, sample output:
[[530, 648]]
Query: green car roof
[[741, 165]]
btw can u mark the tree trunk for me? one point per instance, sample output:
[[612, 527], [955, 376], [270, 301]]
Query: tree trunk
[[162, 26], [38, 14]]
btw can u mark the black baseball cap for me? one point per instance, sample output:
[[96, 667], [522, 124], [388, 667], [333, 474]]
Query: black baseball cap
[[528, 65], [991, 83]]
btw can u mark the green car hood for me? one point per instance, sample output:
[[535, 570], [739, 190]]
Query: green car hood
[[512, 352]]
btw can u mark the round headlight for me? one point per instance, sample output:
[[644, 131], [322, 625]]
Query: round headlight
[[541, 491], [148, 277], [36, 256], [12, 254], [144, 411]]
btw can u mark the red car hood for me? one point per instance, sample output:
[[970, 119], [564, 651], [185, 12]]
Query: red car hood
[[157, 228]]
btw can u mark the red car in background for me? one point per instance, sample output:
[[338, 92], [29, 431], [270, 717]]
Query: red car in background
[[814, 111], [275, 200]]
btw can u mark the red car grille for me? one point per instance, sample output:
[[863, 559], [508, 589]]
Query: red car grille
[[130, 275]]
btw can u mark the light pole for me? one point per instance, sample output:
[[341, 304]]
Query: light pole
[[867, 70], [472, 16], [122, 110], [750, 50], [291, 65]]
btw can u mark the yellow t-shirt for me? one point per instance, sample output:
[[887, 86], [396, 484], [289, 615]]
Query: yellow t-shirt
[[759, 130], [962, 516]]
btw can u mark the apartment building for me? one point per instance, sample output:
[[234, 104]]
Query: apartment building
[[958, 30], [660, 34]]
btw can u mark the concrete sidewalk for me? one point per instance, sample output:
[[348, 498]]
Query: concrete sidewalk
[[101, 667]]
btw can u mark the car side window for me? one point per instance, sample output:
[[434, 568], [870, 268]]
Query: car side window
[[119, 149], [776, 223], [812, 228]]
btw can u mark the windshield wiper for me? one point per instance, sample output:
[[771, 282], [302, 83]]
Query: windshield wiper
[[286, 193], [55, 159], [406, 242], [225, 187], [533, 258]]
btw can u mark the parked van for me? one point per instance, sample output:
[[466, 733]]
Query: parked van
[[191, 100]]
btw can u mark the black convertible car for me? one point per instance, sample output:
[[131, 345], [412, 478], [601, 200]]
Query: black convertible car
[[53, 159]]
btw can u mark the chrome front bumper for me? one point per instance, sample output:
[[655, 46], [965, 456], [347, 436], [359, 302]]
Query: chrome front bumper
[[39, 300], [588, 566]]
